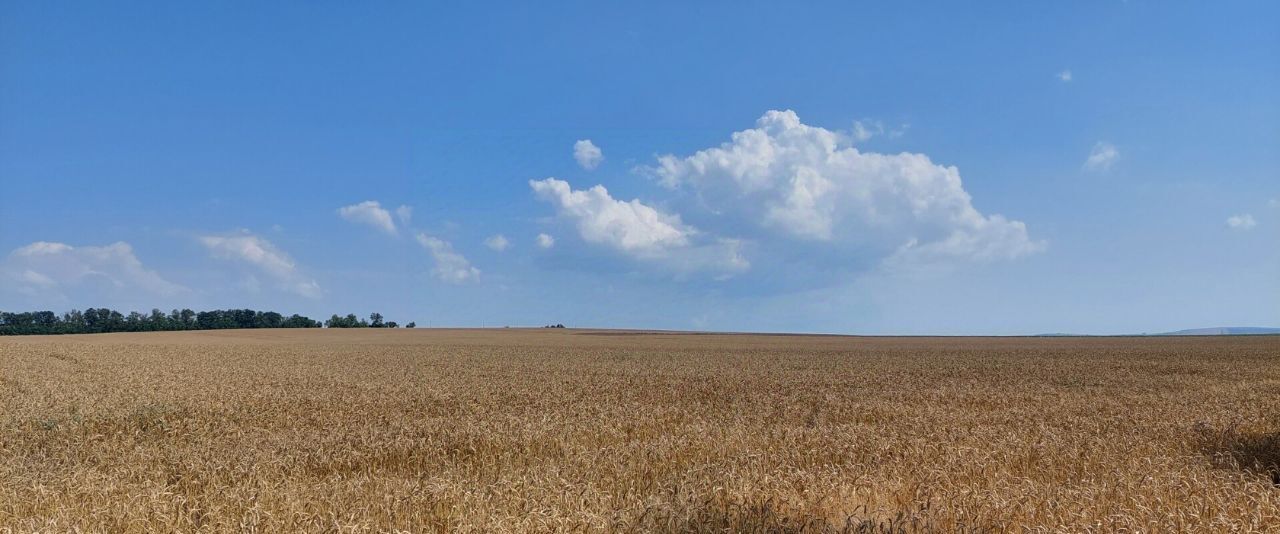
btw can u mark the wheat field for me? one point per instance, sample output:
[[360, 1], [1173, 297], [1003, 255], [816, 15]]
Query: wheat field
[[572, 430]]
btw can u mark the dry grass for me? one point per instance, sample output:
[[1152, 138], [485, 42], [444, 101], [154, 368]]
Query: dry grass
[[274, 431]]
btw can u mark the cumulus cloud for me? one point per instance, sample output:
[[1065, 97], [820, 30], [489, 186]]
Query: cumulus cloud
[[630, 227], [1243, 221], [48, 268], [404, 214], [588, 154], [785, 184], [497, 243], [1065, 75], [637, 230], [263, 256], [988, 239], [1102, 157], [451, 266], [370, 212], [545, 241]]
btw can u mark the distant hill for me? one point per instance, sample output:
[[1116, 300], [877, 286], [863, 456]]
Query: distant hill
[[1217, 331], [1224, 331]]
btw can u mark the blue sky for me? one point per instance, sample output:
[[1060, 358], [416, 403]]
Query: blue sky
[[1006, 168]]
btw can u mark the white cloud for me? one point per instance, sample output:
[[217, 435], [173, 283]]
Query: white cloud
[[45, 268], [369, 212], [545, 241], [638, 230], [1102, 157], [1065, 75], [262, 255], [1275, 203], [785, 184], [404, 214], [497, 242], [451, 266], [1243, 221], [588, 154], [630, 227]]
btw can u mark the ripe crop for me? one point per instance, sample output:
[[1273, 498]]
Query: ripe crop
[[537, 430]]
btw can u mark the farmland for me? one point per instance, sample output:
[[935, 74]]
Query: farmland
[[537, 430]]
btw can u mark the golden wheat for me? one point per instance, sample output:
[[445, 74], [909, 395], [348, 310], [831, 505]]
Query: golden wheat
[[548, 430]]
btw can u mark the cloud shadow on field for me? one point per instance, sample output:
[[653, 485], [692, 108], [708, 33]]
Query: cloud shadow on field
[[714, 515], [1251, 452]]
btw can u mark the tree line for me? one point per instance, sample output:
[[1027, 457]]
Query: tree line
[[102, 320], [375, 321]]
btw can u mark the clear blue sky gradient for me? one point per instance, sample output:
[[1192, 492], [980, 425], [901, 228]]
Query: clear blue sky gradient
[[155, 124]]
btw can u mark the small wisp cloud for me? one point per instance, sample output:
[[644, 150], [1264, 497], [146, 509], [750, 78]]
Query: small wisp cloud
[[587, 154], [46, 268], [497, 243], [404, 214], [450, 266], [1102, 157], [263, 256], [1244, 221], [371, 213]]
